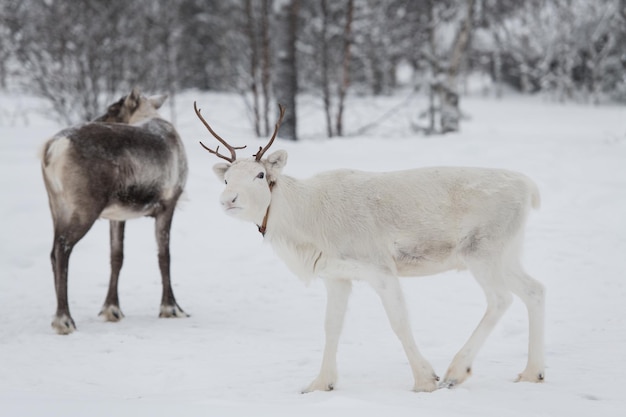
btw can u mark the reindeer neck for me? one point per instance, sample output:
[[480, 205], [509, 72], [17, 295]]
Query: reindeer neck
[[263, 226], [290, 201]]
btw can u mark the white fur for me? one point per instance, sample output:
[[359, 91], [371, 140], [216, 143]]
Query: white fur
[[148, 110], [120, 213], [56, 154], [349, 225]]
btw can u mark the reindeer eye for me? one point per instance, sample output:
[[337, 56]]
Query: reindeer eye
[[225, 182], [261, 175]]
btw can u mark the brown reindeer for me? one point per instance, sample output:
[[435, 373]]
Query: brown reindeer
[[126, 164]]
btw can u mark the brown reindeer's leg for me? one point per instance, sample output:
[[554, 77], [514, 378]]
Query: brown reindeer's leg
[[169, 307], [111, 309], [62, 322], [65, 237]]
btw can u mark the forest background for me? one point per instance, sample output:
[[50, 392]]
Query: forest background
[[81, 55]]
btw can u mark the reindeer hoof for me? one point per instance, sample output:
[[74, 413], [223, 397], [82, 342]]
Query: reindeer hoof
[[448, 384], [531, 376], [315, 387], [426, 386], [63, 324], [111, 313], [321, 384], [172, 311], [456, 375]]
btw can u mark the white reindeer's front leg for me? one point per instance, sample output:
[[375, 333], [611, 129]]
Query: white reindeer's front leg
[[390, 292], [338, 292]]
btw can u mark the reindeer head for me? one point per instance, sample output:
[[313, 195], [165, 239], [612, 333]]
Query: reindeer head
[[132, 108], [249, 181]]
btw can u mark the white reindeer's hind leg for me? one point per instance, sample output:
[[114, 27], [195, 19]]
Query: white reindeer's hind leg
[[338, 292], [532, 293], [390, 292], [498, 301]]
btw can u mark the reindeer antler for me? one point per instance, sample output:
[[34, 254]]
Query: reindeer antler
[[232, 149], [261, 151]]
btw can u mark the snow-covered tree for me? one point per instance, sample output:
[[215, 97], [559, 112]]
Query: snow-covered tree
[[82, 54], [572, 49]]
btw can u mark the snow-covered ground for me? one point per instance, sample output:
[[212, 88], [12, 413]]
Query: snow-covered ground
[[255, 334]]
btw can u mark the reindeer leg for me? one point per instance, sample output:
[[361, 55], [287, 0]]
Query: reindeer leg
[[111, 309], [338, 292], [532, 293], [499, 299], [62, 322], [163, 223], [390, 293], [65, 237]]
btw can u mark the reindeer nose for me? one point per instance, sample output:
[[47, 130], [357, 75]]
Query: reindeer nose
[[229, 199]]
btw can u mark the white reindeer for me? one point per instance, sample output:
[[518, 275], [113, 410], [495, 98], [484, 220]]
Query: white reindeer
[[349, 225], [118, 171]]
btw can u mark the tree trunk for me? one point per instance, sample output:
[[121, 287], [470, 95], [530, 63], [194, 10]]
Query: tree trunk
[[286, 85], [434, 69], [449, 96], [497, 66], [266, 65], [345, 68], [325, 70], [254, 65]]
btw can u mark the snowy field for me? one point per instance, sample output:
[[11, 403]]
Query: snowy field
[[255, 335]]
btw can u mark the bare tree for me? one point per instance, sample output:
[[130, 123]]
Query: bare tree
[[345, 67], [286, 87], [251, 32], [257, 32], [325, 64], [569, 49], [96, 50], [448, 90], [266, 63], [91, 53], [333, 42], [382, 37], [445, 61], [7, 22]]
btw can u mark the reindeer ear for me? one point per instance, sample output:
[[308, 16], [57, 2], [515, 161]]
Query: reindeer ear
[[157, 101], [220, 170], [132, 100], [276, 161]]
